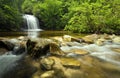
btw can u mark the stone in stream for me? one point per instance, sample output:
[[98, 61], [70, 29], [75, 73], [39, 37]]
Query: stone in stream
[[38, 47], [7, 45], [116, 49], [3, 51], [46, 63], [100, 42], [79, 51], [59, 67], [68, 62], [116, 40], [48, 74], [90, 38]]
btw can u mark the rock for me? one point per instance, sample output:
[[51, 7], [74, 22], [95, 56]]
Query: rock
[[67, 38], [79, 51], [3, 51], [73, 44], [116, 40], [57, 39], [3, 38], [100, 42], [55, 49], [105, 36], [112, 36], [47, 63], [90, 38], [70, 62], [116, 49], [77, 39], [7, 45], [40, 47], [60, 62], [21, 38], [19, 50], [48, 74]]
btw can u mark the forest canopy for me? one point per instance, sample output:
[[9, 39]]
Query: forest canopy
[[80, 16]]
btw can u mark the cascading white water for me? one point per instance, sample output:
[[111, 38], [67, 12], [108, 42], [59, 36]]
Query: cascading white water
[[32, 25], [102, 52]]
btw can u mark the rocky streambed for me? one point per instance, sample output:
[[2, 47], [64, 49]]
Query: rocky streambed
[[91, 56]]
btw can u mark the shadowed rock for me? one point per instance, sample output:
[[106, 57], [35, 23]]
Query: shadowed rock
[[7, 45], [41, 47]]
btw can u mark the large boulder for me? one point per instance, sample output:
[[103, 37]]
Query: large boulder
[[37, 47], [56, 67], [7, 45]]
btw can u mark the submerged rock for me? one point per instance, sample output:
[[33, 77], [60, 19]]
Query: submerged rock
[[116, 49], [48, 74], [47, 63], [70, 62]]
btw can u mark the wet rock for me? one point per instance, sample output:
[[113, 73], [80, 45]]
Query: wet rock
[[73, 44], [19, 50], [57, 39], [116, 40], [70, 62], [67, 38], [22, 38], [47, 63], [90, 38], [100, 42], [7, 45], [105, 36], [3, 51], [3, 38], [48, 74], [77, 39], [41, 47], [116, 49], [79, 51]]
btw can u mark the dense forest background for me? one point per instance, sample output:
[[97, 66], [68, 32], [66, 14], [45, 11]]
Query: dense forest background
[[81, 16]]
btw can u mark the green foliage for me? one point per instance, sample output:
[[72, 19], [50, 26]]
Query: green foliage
[[10, 18], [84, 16], [50, 13], [94, 17]]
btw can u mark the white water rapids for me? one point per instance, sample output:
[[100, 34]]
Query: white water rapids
[[104, 52]]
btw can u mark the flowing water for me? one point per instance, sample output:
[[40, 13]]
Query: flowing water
[[33, 25], [101, 62]]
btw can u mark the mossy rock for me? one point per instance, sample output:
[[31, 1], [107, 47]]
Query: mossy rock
[[40, 47]]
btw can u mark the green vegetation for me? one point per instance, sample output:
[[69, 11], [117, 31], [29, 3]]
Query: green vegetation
[[81, 16], [10, 18]]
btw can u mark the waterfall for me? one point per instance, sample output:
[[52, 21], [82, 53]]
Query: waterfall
[[32, 25]]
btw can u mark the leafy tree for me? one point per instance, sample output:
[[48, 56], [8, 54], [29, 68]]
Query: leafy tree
[[50, 13], [86, 16], [10, 18]]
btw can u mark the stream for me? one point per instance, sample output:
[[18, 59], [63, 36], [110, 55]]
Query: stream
[[101, 62]]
